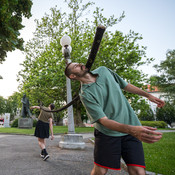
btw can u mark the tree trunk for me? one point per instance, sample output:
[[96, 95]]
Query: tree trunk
[[77, 117]]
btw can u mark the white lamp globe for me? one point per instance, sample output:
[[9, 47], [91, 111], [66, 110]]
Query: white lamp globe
[[65, 40]]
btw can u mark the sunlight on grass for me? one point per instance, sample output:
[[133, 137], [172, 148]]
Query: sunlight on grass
[[160, 156], [56, 130], [17, 131]]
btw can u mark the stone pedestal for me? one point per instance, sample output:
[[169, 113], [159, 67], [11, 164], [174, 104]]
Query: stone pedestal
[[25, 123], [72, 141]]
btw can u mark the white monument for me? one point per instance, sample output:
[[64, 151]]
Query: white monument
[[6, 120]]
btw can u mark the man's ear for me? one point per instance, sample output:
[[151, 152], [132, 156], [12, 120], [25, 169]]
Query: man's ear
[[72, 76]]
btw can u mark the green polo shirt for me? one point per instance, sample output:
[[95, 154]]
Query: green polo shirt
[[105, 98]]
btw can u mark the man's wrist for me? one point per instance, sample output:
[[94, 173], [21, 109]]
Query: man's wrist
[[128, 129], [131, 130]]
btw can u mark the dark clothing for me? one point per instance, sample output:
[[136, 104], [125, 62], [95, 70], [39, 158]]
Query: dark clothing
[[45, 116], [42, 129], [42, 126], [109, 150]]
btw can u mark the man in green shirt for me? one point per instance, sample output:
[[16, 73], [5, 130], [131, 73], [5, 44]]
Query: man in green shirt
[[114, 119]]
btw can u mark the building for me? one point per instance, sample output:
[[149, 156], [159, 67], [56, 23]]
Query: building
[[153, 90]]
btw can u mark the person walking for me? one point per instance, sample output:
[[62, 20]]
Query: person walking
[[118, 131], [45, 121]]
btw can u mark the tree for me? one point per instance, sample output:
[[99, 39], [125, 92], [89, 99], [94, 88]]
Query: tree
[[43, 75], [13, 104], [2, 105], [146, 114], [166, 80], [11, 13], [10, 105], [167, 113]]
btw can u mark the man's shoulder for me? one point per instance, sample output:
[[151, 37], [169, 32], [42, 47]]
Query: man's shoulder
[[45, 108], [100, 69]]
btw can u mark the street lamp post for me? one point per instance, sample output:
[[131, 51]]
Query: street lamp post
[[66, 50], [70, 140]]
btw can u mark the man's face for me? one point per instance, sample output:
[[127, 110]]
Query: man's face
[[78, 69]]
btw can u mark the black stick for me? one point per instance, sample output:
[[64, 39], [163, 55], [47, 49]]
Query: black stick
[[97, 39]]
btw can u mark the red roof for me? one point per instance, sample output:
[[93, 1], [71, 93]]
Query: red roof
[[152, 88]]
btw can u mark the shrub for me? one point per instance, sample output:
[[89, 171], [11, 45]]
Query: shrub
[[167, 113], [146, 115], [156, 124], [34, 123], [15, 123]]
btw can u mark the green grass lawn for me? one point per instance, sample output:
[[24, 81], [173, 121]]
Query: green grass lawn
[[160, 156], [17, 131], [56, 130]]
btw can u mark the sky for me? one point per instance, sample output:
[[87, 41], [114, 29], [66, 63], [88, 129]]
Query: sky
[[153, 19]]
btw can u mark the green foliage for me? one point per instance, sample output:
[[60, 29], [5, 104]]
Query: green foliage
[[10, 105], [166, 80], [156, 124], [167, 113], [13, 104], [42, 77], [146, 114], [34, 123], [2, 105], [15, 123], [11, 14]]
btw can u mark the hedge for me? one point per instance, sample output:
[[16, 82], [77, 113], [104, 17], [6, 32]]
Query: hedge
[[156, 124], [15, 123]]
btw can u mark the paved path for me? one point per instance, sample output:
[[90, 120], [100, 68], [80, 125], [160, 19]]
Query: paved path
[[19, 155], [166, 130]]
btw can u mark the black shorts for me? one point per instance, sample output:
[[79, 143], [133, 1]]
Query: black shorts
[[109, 150], [42, 129]]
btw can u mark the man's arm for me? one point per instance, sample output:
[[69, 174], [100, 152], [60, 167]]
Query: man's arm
[[143, 133], [34, 107], [51, 127], [135, 90]]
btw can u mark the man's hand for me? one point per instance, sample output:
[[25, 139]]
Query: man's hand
[[160, 103], [145, 133], [135, 90], [52, 137]]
